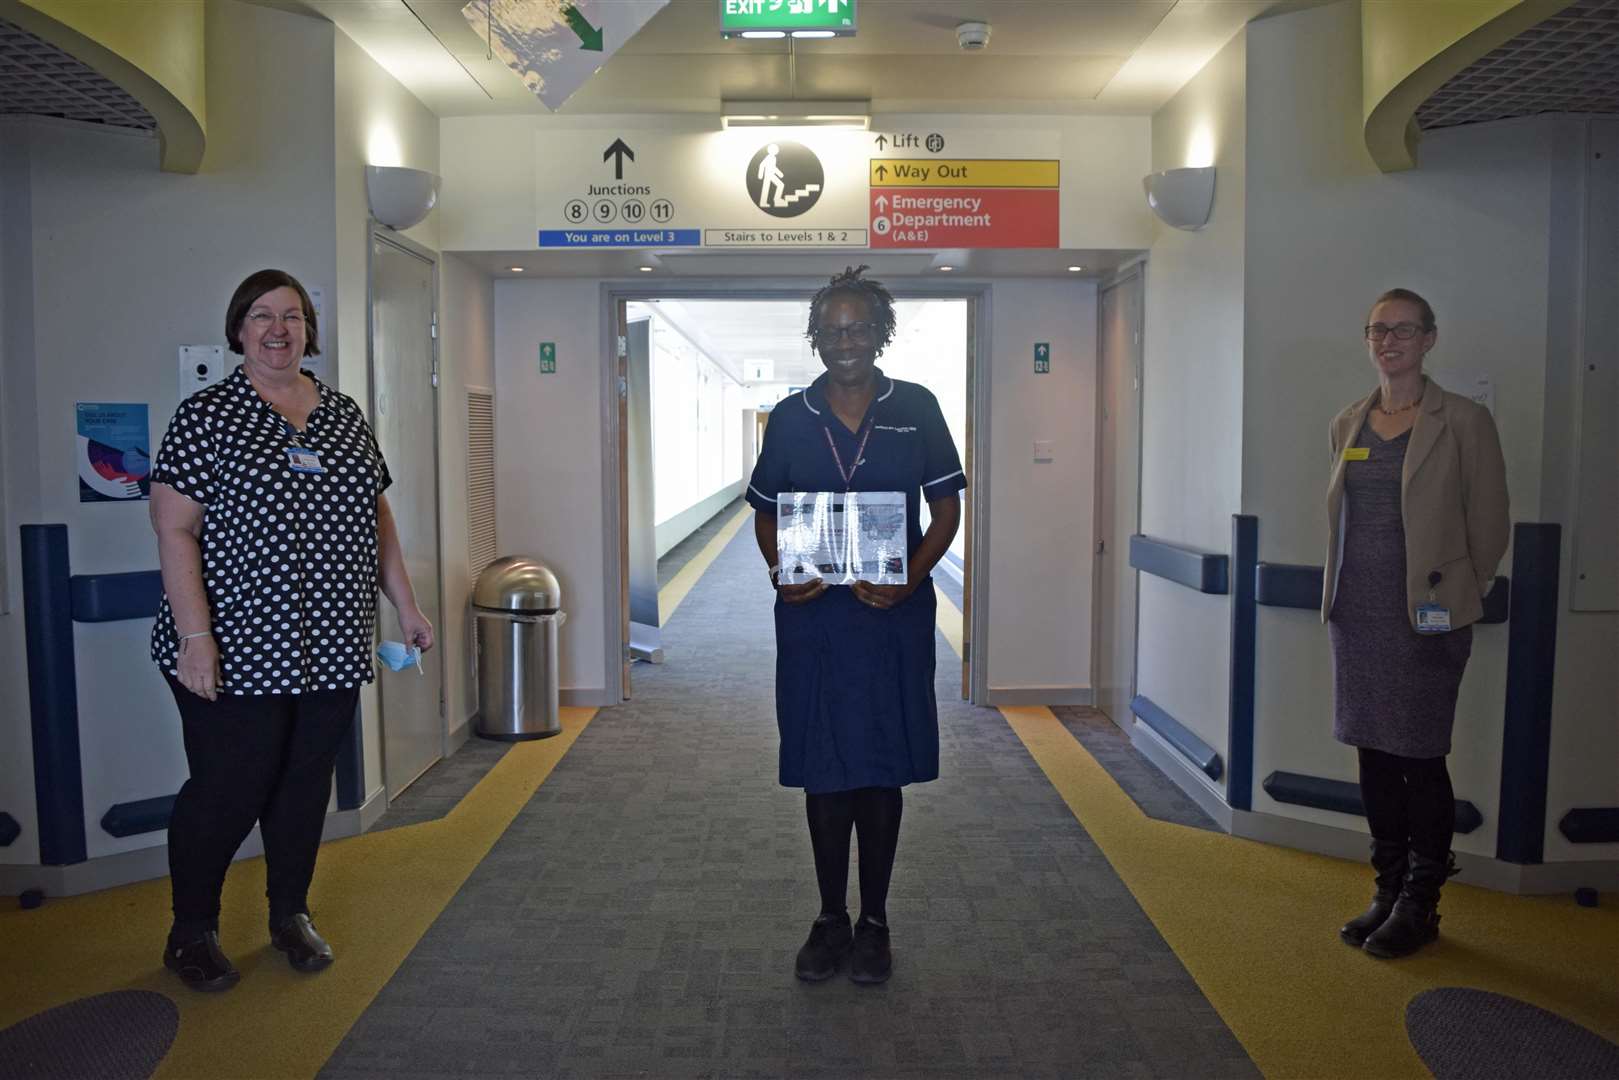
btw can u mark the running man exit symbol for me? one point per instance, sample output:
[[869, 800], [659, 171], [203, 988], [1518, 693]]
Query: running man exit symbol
[[548, 357], [1042, 358]]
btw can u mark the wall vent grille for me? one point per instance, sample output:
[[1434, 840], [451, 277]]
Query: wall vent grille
[[481, 480]]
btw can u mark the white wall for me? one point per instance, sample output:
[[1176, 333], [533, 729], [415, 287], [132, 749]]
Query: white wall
[[126, 263], [1041, 514], [466, 358], [1192, 398], [376, 122]]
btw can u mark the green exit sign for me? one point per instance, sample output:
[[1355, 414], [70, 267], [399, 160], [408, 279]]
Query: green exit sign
[[778, 18]]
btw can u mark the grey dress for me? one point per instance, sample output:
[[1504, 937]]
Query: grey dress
[[1395, 688]]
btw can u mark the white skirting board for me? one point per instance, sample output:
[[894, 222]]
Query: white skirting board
[[1351, 843], [147, 863]]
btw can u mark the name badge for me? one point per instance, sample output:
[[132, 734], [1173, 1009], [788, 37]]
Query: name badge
[[304, 461], [1357, 453], [1433, 619]]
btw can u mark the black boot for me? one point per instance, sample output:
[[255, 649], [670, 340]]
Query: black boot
[[199, 961], [297, 937], [1389, 860], [1414, 922]]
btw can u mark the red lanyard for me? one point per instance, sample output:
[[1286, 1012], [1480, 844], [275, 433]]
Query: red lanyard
[[859, 457]]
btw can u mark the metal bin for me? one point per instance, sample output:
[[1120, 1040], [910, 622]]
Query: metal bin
[[516, 604]]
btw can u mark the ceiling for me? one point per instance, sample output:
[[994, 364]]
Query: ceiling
[[1568, 63], [39, 79], [1044, 56]]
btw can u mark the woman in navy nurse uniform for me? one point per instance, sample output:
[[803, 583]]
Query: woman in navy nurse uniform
[[855, 664]]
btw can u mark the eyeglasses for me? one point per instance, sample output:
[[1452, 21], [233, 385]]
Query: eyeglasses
[[261, 318], [860, 333], [1403, 331]]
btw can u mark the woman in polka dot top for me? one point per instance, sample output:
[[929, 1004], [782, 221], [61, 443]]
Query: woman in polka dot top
[[273, 536]]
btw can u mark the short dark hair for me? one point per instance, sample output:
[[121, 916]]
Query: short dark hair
[[872, 291], [1429, 325], [248, 293]]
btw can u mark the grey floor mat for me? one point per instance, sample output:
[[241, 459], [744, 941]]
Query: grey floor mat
[[640, 915]]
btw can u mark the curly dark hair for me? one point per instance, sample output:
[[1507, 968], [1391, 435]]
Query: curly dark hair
[[872, 291]]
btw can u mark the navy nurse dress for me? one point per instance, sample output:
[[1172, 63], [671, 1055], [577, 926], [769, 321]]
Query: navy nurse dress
[[855, 702]]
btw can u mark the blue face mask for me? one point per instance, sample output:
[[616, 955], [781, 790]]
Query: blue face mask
[[400, 656]]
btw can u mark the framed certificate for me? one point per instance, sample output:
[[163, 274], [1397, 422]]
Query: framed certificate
[[842, 537]]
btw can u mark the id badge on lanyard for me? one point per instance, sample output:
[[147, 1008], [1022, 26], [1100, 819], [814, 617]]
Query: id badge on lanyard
[[301, 458]]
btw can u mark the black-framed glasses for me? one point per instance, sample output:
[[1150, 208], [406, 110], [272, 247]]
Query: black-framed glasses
[[1404, 331], [860, 333]]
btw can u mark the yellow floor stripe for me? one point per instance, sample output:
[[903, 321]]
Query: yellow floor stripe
[[375, 896], [1256, 926], [670, 596]]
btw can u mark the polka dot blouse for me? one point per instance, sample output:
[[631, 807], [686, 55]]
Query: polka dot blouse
[[289, 558]]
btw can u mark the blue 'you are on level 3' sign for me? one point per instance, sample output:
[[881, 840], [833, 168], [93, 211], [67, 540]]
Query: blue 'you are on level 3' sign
[[588, 238]]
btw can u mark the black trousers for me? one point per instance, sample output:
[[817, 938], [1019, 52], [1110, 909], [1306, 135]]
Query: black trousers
[[253, 758], [1409, 801]]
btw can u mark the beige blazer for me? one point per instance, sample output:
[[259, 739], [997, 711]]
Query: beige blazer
[[1453, 499]]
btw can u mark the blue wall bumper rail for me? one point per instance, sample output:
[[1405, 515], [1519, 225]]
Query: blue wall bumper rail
[[1591, 825], [114, 597], [143, 816], [1191, 747], [1291, 585], [1526, 740], [1201, 570], [1244, 661], [1343, 797], [9, 829]]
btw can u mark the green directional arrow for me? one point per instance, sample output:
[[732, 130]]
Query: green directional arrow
[[590, 38]]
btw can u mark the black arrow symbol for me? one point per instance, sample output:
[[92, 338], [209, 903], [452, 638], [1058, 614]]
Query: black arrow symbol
[[882, 141], [882, 172], [618, 152]]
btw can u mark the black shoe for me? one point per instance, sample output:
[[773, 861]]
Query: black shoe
[[1390, 862], [871, 962], [200, 962], [824, 952], [1414, 922], [306, 950]]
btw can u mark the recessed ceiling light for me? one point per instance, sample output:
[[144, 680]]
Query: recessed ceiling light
[[763, 34], [515, 269], [946, 269], [644, 269], [1075, 269]]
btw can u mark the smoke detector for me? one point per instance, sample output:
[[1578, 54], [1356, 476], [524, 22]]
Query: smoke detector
[[973, 36]]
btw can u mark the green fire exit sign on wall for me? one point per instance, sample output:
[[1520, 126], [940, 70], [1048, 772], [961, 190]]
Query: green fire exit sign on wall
[[782, 17]]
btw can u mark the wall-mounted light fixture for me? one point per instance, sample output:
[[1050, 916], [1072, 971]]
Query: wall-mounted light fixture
[[400, 197], [1181, 197], [829, 114]]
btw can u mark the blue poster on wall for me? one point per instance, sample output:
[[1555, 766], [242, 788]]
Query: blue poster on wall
[[114, 452]]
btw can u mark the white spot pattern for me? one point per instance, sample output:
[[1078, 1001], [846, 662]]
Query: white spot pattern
[[289, 559]]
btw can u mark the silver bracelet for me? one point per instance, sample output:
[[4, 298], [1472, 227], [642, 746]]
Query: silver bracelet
[[199, 633]]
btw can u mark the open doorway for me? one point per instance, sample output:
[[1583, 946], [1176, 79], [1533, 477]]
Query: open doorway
[[699, 377]]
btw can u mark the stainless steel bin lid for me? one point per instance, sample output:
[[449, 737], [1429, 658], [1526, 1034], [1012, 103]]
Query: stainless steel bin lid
[[516, 583]]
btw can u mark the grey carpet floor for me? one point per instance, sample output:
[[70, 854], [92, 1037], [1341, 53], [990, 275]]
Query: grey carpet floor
[[1143, 781], [640, 916]]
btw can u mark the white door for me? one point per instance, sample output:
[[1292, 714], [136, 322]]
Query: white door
[[404, 407], [1118, 489]]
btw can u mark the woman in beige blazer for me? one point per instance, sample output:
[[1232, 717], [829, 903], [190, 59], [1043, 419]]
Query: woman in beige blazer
[[1417, 513]]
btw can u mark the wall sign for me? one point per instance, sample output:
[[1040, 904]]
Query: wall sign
[[1042, 358], [797, 188], [114, 452], [548, 358]]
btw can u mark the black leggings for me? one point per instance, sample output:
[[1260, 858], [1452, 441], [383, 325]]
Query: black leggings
[[254, 758], [875, 812], [1409, 801]]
